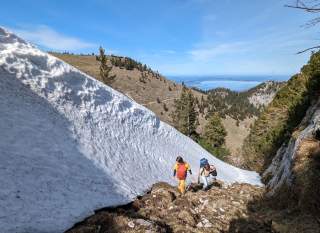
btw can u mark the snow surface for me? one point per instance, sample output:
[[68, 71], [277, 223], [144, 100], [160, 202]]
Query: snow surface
[[70, 144]]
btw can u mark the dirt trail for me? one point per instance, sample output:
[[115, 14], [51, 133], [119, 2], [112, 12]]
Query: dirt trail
[[155, 102]]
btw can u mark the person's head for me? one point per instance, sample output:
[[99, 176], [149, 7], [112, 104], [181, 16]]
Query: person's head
[[207, 166], [179, 159]]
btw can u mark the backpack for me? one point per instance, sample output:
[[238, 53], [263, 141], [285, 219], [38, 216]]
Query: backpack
[[181, 171], [203, 162], [214, 172]]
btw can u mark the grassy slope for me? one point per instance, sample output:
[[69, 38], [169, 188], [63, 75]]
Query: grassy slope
[[128, 83]]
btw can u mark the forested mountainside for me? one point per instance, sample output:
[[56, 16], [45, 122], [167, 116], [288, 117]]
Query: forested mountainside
[[284, 145], [277, 122], [294, 173], [242, 105], [261, 95], [238, 111]]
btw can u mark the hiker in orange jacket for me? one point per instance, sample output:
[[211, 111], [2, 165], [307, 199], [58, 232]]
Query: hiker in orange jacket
[[180, 171]]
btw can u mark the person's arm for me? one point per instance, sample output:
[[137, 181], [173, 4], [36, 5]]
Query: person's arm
[[174, 170], [189, 169]]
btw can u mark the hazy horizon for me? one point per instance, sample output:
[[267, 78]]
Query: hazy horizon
[[232, 82]]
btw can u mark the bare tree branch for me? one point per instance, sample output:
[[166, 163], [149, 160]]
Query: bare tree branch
[[310, 7], [308, 49], [312, 22], [311, 10], [303, 6]]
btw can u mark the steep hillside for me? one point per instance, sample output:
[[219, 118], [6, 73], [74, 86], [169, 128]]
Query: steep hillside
[[239, 110], [242, 105], [293, 176], [70, 144], [285, 145], [282, 116], [263, 94], [237, 132], [295, 170], [147, 88]]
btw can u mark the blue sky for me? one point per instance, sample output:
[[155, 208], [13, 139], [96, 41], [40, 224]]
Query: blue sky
[[176, 37]]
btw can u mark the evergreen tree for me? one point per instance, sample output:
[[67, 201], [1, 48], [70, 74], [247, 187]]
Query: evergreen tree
[[215, 132], [145, 68], [185, 116], [104, 68], [143, 77], [201, 105]]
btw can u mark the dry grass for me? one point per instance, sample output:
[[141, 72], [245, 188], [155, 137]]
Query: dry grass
[[128, 82], [306, 169], [146, 93], [235, 138]]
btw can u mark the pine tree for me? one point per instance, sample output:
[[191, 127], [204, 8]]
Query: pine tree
[[145, 68], [201, 105], [143, 77], [185, 116], [215, 132], [104, 68]]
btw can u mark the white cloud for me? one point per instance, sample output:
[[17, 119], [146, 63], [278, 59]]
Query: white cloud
[[169, 51], [49, 38], [206, 52]]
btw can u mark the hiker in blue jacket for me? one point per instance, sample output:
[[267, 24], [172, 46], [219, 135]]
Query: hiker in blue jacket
[[206, 170]]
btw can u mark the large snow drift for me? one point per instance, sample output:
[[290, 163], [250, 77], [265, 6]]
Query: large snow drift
[[70, 145]]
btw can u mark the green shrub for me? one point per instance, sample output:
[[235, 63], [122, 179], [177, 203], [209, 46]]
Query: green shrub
[[219, 152], [214, 132]]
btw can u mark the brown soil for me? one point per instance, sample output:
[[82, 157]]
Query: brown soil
[[235, 208]]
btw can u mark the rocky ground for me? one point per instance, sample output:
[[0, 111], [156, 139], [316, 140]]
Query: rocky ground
[[236, 208], [163, 209]]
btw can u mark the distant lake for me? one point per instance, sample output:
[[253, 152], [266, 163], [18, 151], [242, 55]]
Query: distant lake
[[233, 82]]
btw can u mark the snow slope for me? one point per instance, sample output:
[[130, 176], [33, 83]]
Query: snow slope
[[70, 145]]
